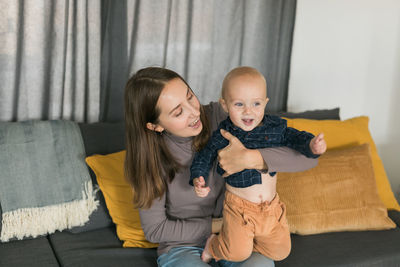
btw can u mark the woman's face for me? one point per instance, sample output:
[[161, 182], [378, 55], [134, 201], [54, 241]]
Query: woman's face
[[180, 110]]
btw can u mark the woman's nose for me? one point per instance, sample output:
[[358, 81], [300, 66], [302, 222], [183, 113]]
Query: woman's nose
[[194, 110]]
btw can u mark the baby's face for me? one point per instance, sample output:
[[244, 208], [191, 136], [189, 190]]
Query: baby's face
[[245, 100]]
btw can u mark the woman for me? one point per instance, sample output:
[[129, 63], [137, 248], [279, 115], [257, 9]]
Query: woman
[[165, 124]]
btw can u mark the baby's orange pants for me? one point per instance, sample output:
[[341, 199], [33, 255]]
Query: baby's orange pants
[[249, 227]]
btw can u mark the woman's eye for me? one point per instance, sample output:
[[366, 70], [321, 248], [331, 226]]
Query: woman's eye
[[178, 114], [238, 104], [190, 97]]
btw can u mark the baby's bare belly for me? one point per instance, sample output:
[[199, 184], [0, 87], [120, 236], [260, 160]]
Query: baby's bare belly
[[259, 192]]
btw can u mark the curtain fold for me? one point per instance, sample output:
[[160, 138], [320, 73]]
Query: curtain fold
[[50, 60], [70, 59]]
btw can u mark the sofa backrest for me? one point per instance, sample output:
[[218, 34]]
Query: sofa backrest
[[103, 138]]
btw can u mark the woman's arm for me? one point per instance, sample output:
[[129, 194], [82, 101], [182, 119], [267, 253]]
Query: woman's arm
[[284, 159], [236, 157], [157, 227]]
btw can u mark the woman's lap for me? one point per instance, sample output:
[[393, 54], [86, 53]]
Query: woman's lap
[[190, 256], [182, 256]]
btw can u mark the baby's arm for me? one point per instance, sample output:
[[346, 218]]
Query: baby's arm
[[300, 141], [202, 163]]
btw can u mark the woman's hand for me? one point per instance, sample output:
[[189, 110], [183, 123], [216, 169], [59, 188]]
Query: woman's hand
[[235, 157], [216, 225]]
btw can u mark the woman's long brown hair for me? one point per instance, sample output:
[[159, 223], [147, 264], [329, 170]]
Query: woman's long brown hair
[[149, 165]]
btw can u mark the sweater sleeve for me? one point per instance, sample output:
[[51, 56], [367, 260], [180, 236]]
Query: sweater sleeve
[[284, 159], [158, 228]]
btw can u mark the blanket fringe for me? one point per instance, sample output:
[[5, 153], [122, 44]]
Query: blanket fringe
[[46, 220]]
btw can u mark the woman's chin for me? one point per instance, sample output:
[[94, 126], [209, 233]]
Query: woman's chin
[[197, 129]]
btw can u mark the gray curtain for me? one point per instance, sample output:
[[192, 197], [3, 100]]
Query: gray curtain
[[50, 59], [71, 59], [202, 40]]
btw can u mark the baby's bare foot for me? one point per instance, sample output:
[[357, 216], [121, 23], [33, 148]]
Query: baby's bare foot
[[206, 255]]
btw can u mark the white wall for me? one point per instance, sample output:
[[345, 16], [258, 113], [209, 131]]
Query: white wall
[[346, 53]]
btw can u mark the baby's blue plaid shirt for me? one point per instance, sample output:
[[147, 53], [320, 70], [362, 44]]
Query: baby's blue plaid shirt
[[273, 132]]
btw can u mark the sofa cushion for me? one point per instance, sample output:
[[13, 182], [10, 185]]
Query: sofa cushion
[[367, 249], [347, 133], [118, 193], [337, 195], [99, 248], [29, 252]]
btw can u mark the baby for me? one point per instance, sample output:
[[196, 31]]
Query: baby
[[253, 218]]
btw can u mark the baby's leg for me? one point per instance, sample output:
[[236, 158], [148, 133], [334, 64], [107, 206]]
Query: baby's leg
[[272, 236], [206, 255], [235, 241]]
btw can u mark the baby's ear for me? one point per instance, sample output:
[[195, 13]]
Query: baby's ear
[[223, 104]]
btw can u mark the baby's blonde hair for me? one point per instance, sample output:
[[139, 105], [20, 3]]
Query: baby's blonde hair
[[240, 71]]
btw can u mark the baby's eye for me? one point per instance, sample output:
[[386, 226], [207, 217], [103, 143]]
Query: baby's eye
[[257, 103], [239, 104]]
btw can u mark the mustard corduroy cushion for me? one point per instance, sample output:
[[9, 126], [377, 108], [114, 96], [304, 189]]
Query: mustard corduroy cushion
[[347, 133], [338, 195], [109, 170]]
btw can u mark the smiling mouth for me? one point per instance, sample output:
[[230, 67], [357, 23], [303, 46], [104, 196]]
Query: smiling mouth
[[247, 122], [195, 124]]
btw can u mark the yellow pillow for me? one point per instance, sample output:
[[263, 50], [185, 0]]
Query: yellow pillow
[[109, 170], [338, 195], [348, 133]]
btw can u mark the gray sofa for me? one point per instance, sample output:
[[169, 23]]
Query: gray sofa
[[96, 243]]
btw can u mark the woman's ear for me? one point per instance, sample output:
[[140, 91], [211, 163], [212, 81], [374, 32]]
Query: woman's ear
[[154, 127], [223, 104]]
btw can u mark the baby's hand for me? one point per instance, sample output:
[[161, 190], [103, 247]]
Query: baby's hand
[[318, 144], [200, 187]]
